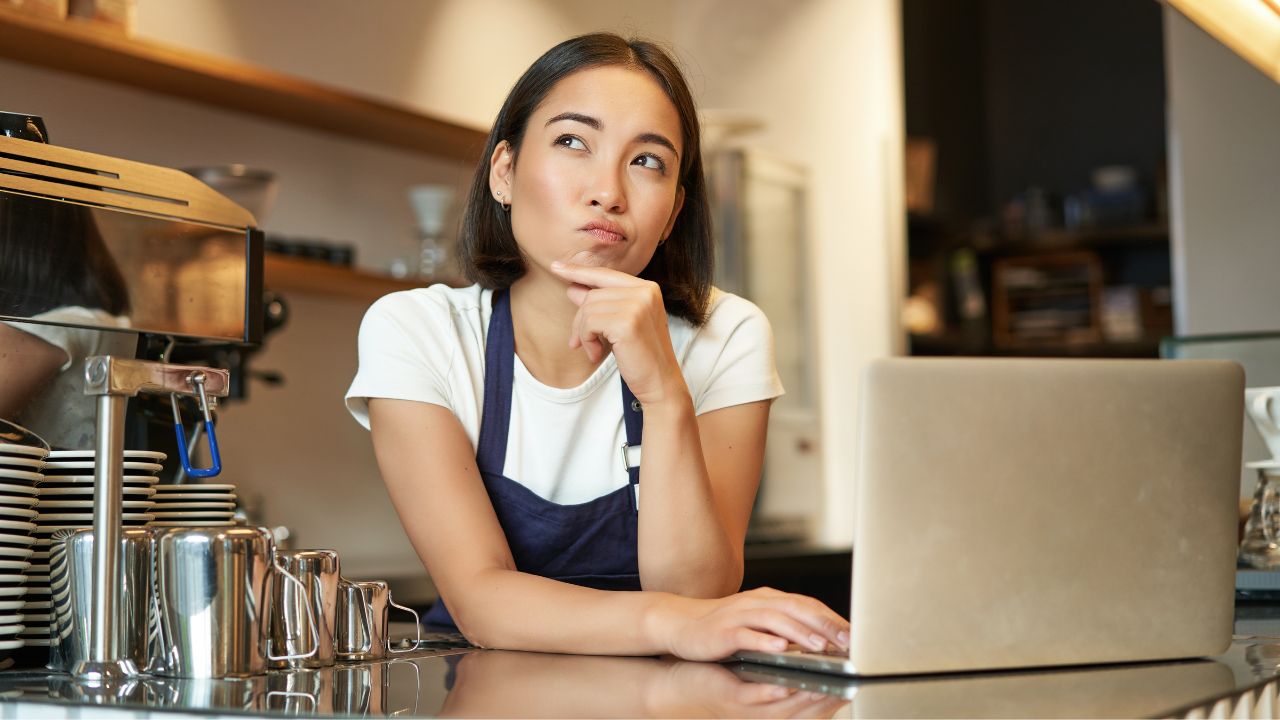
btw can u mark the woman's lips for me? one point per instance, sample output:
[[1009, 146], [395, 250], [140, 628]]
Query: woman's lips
[[605, 232]]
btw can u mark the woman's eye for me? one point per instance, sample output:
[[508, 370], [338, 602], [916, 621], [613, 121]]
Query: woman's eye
[[572, 142], [653, 162]]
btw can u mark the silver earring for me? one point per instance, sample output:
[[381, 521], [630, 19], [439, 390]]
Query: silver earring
[[498, 194]]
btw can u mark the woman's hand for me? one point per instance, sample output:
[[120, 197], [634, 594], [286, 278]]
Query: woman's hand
[[624, 313], [764, 620]]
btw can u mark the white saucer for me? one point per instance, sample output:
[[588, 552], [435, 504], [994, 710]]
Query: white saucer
[[12, 604], [25, 540], [20, 514], [53, 505], [36, 604], [51, 491], [26, 502], [20, 475], [10, 489], [21, 463], [88, 479], [11, 553], [13, 591], [54, 467], [14, 565], [164, 497], [210, 514], [24, 527], [196, 488], [161, 504], [192, 523], [91, 455], [25, 450], [46, 519]]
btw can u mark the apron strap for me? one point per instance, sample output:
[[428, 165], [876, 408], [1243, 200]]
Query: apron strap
[[499, 369], [633, 420]]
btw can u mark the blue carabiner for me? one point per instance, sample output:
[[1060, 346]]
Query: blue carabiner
[[197, 379]]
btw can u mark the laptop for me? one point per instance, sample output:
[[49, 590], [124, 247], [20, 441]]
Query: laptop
[[1020, 513]]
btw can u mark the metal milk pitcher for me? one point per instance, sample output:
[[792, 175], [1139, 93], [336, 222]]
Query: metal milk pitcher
[[71, 576], [363, 609], [214, 589], [317, 593]]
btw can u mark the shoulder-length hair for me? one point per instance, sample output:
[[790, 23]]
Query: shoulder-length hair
[[683, 265]]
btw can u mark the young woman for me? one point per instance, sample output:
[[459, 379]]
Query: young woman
[[508, 417]]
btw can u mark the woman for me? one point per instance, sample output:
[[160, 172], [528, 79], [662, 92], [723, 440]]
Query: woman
[[507, 417]]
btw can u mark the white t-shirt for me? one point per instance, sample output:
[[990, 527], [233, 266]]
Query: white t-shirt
[[62, 414], [564, 444]]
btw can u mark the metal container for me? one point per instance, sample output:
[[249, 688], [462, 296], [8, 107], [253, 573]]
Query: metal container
[[71, 567], [317, 596], [214, 590], [363, 609]]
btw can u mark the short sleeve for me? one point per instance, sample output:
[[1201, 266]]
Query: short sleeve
[[406, 346], [76, 343], [732, 357]]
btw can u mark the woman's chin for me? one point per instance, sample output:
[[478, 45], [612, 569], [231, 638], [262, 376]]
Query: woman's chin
[[588, 258]]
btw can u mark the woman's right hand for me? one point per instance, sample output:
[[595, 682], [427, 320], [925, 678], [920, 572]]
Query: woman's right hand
[[764, 620]]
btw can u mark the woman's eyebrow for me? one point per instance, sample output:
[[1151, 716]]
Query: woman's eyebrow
[[657, 139], [595, 124]]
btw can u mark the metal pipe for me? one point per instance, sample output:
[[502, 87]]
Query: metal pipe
[[104, 664]]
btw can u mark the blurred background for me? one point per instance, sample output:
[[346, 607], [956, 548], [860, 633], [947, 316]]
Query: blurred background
[[930, 177]]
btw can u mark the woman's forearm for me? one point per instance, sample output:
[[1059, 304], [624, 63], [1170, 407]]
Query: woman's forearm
[[512, 610], [683, 545]]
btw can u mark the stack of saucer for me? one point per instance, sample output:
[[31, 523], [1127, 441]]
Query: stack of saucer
[[19, 492], [194, 505], [66, 501]]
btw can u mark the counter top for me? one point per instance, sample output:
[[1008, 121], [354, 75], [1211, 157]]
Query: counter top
[[1243, 682]]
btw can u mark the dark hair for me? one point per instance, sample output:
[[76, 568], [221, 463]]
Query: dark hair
[[683, 265], [51, 256]]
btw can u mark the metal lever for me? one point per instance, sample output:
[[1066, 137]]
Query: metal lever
[[196, 379]]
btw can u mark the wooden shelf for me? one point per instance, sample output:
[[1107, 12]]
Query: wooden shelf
[[287, 275], [81, 49]]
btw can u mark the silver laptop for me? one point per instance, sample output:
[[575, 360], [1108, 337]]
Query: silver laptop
[[1026, 513]]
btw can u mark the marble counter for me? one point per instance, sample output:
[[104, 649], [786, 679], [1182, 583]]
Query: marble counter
[[454, 682]]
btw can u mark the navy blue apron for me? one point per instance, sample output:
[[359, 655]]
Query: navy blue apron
[[592, 544]]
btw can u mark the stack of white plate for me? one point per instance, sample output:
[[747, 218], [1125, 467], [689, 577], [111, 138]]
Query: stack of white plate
[[66, 501], [19, 492], [194, 505]]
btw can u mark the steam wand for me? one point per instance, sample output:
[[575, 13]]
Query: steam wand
[[113, 380]]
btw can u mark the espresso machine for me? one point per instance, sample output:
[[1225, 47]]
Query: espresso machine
[[136, 250]]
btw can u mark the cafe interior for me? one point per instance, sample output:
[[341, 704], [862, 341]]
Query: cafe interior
[[1027, 180]]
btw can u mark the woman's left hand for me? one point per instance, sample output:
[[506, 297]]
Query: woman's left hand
[[624, 313]]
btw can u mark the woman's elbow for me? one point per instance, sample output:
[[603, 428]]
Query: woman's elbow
[[705, 583]]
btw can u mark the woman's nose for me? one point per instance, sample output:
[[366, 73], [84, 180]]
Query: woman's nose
[[607, 193]]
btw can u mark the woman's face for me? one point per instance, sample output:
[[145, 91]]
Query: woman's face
[[597, 178]]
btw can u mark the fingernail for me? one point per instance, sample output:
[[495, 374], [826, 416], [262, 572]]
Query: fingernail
[[778, 691], [779, 644], [817, 642], [843, 638]]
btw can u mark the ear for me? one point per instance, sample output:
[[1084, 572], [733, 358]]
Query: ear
[[501, 168], [675, 213]]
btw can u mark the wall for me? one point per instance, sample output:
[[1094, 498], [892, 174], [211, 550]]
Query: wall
[[825, 76], [1223, 171], [822, 73]]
